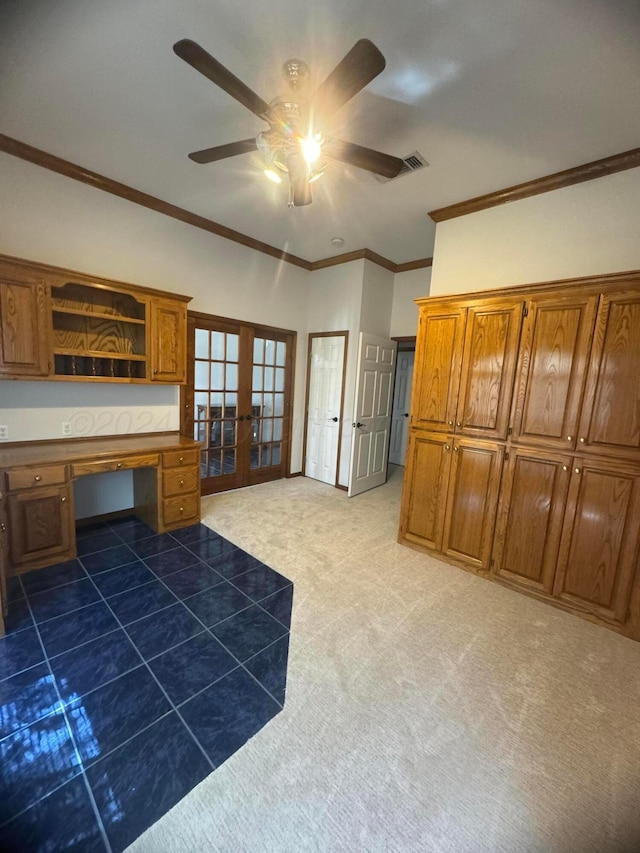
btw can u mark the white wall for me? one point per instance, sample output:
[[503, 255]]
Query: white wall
[[377, 299], [335, 303], [587, 229], [408, 286]]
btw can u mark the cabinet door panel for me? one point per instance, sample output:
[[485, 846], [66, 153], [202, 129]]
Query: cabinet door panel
[[472, 501], [599, 546], [437, 368], [532, 502], [23, 337], [41, 526], [168, 341], [611, 413], [552, 368], [424, 501], [490, 350]]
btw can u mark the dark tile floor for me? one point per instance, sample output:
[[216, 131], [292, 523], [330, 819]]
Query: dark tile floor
[[127, 676]]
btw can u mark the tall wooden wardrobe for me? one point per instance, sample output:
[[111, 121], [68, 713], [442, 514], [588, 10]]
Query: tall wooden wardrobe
[[523, 462]]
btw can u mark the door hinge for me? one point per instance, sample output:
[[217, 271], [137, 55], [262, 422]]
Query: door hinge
[[492, 562], [509, 431], [506, 455], [525, 310]]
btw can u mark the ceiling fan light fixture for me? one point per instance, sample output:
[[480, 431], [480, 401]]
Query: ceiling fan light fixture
[[311, 148], [317, 173]]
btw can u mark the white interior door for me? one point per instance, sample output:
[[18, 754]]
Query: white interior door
[[401, 403], [324, 413], [372, 413]]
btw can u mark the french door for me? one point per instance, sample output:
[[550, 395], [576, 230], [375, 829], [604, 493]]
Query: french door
[[237, 401]]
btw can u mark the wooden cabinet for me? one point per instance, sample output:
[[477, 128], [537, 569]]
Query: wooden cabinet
[[23, 326], [40, 517], [532, 505], [610, 419], [472, 499], [452, 492], [168, 341], [600, 538], [61, 324], [556, 340], [465, 363], [545, 426]]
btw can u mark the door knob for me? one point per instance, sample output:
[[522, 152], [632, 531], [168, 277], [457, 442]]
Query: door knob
[[334, 419], [358, 424], [241, 418], [406, 414]]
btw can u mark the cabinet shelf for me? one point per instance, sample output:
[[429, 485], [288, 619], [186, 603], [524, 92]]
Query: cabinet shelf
[[85, 353], [99, 315]]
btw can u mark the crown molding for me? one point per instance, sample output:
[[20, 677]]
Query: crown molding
[[548, 183], [71, 170]]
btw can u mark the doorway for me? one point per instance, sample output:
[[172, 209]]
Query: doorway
[[237, 400], [402, 390], [325, 402]]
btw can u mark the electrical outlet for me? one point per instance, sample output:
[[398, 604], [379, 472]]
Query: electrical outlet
[[66, 428], [4, 432]]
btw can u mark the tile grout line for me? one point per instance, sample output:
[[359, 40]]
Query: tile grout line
[[152, 674], [82, 771]]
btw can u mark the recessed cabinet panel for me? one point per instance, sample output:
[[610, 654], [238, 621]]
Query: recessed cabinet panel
[[437, 376], [41, 523], [532, 502], [472, 501], [611, 415], [599, 548], [24, 346], [424, 503], [489, 362], [168, 341], [551, 369]]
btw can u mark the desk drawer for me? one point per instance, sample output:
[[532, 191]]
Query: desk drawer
[[180, 458], [183, 509], [178, 481], [45, 475], [123, 463]]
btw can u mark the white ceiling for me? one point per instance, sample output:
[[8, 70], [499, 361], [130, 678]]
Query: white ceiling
[[490, 92]]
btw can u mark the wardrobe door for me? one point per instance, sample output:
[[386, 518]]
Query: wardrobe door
[[437, 367], [610, 422], [491, 343], [425, 486], [552, 367]]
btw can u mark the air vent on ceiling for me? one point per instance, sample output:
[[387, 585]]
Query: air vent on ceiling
[[412, 162]]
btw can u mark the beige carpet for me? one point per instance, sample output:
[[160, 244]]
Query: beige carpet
[[427, 710]]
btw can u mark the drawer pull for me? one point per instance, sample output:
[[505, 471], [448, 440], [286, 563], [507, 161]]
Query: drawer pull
[[119, 465], [37, 478], [181, 459], [62, 500], [181, 509], [182, 482]]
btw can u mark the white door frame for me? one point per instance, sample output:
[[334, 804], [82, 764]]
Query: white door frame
[[312, 336]]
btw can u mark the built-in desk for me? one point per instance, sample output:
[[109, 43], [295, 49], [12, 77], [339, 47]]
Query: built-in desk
[[37, 519]]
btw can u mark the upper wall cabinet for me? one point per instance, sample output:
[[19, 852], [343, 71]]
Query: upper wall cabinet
[[610, 421], [58, 324], [465, 364], [24, 346], [554, 353]]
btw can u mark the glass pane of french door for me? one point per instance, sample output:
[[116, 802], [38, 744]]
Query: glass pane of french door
[[236, 401]]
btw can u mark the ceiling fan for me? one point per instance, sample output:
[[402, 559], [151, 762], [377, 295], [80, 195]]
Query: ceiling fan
[[295, 144]]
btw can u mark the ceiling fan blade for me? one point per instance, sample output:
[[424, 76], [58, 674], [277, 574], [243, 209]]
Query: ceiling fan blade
[[299, 180], [358, 68], [203, 62], [221, 152], [363, 158]]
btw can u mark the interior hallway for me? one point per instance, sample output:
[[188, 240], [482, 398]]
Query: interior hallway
[[426, 709]]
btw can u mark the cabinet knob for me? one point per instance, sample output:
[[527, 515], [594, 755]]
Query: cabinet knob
[[3, 527], [455, 449], [181, 459], [37, 478], [181, 509], [577, 470], [459, 423], [450, 423], [447, 447], [62, 500], [182, 482], [582, 439], [565, 468], [119, 465], [569, 438]]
